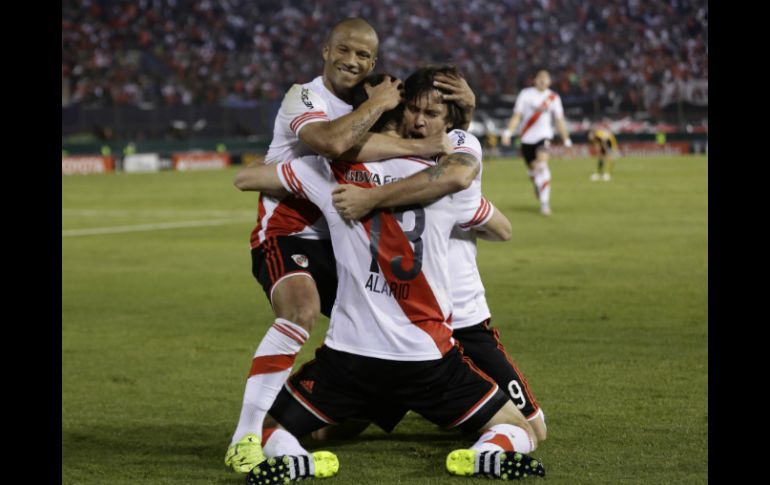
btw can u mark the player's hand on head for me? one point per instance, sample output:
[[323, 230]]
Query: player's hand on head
[[456, 89], [352, 202], [388, 94]]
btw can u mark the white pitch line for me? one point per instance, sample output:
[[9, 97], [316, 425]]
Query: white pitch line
[[151, 212], [145, 227]]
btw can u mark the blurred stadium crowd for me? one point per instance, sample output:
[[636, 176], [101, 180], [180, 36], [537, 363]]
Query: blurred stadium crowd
[[633, 54]]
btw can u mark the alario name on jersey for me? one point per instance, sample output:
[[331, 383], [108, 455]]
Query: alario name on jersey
[[399, 291]]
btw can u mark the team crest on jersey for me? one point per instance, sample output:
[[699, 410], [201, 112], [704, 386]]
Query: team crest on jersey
[[301, 260]]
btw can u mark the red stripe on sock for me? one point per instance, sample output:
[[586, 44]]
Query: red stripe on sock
[[295, 329], [266, 434], [289, 332], [502, 441], [267, 364]]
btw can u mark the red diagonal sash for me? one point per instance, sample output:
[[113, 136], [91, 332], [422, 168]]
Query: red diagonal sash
[[543, 107]]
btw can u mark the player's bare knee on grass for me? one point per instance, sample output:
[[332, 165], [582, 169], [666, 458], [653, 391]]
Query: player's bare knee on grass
[[296, 299], [538, 425]]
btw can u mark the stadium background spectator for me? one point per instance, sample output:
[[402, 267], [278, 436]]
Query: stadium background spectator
[[616, 57]]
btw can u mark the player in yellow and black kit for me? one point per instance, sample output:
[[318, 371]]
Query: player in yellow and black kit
[[605, 142]]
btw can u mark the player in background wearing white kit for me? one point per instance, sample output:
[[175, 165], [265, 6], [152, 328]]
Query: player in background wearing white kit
[[291, 253], [539, 107], [385, 326], [471, 316]]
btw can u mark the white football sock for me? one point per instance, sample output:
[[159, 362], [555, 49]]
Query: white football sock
[[543, 183], [280, 442], [270, 368], [504, 437]]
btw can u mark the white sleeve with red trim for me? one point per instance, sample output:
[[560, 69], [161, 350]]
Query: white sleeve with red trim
[[473, 209], [464, 142], [470, 207], [308, 178], [301, 106]]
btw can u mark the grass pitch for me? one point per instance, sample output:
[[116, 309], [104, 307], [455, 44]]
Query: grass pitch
[[603, 305]]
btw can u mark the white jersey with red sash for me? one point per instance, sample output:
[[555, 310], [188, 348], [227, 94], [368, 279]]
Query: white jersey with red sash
[[394, 294], [538, 109], [303, 104]]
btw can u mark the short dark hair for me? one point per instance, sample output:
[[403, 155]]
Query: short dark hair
[[358, 23], [420, 83], [359, 96]]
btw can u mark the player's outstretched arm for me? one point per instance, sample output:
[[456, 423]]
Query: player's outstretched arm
[[331, 139], [497, 228], [262, 178], [376, 146], [454, 172], [561, 125], [508, 132]]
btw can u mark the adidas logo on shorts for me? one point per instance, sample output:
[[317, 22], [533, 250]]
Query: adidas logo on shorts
[[308, 385]]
